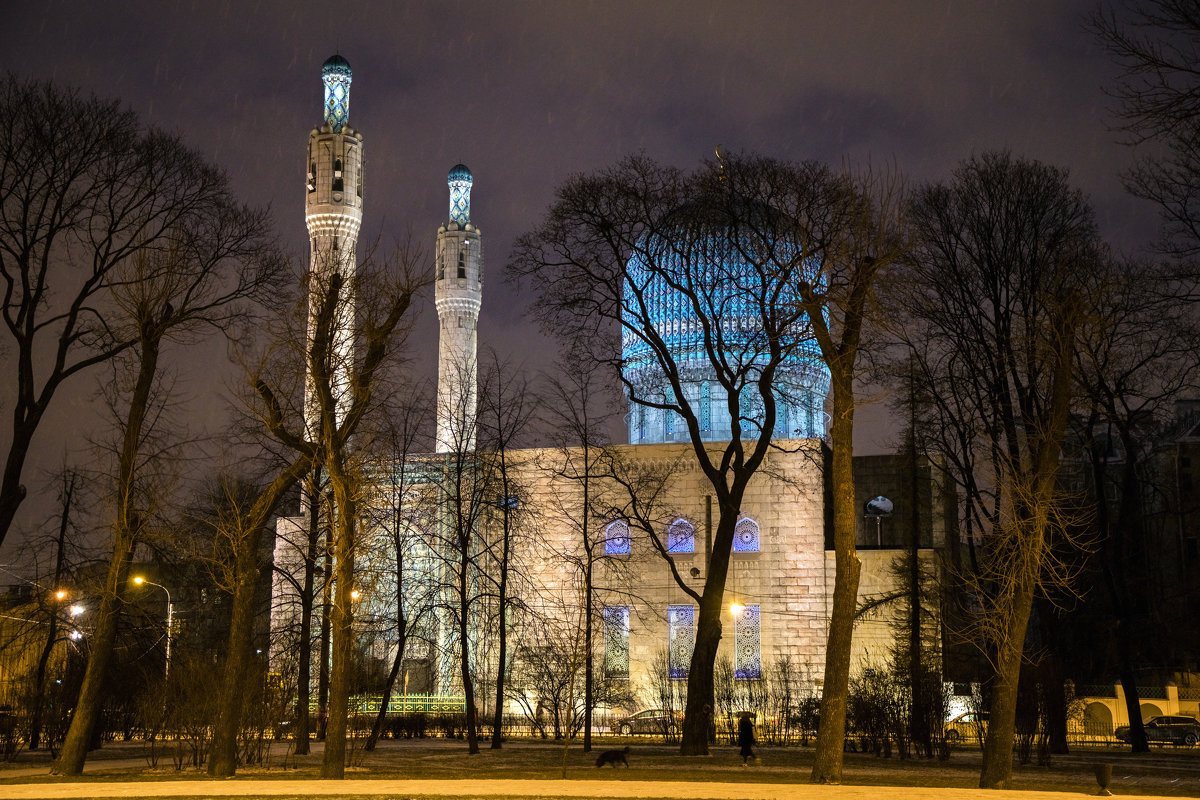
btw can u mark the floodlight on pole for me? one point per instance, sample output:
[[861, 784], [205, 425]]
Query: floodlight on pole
[[139, 580]]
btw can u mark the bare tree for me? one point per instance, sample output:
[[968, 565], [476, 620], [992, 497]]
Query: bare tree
[[202, 276], [506, 406], [465, 488], [62, 563], [1002, 255], [1156, 44], [401, 520], [377, 333], [1139, 357], [578, 409], [308, 540], [839, 299], [618, 248], [85, 189]]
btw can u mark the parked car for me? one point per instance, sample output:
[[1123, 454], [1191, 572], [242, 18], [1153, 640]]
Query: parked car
[[968, 727], [1176, 730], [651, 720]]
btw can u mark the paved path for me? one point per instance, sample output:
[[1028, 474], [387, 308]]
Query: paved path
[[526, 788]]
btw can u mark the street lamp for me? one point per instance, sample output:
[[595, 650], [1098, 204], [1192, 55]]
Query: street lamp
[[139, 580]]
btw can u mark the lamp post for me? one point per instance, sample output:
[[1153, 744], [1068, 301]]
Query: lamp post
[[139, 580]]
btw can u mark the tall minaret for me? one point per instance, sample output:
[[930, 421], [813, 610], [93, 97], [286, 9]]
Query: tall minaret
[[333, 207], [458, 293]]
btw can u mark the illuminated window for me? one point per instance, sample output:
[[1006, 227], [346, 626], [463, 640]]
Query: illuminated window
[[462, 264], [705, 407], [616, 642], [681, 638], [681, 537], [747, 644], [616, 539], [337, 175], [745, 537]]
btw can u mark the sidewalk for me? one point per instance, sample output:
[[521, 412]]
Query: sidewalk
[[519, 788]]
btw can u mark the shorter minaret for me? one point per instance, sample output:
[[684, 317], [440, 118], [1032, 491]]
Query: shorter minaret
[[458, 293]]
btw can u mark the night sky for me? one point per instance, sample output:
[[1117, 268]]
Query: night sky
[[527, 93]]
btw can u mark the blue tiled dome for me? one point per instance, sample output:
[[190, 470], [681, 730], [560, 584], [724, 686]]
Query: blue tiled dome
[[715, 263]]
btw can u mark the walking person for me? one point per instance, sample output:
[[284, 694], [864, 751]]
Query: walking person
[[745, 737]]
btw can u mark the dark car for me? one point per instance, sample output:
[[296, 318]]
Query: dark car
[[1176, 730], [652, 720]]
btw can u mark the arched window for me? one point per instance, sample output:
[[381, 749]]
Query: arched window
[[668, 420], [441, 265], [745, 537], [705, 407], [337, 175], [616, 539], [462, 264], [312, 176], [681, 537]]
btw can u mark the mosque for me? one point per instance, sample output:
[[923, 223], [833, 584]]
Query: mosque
[[780, 581]]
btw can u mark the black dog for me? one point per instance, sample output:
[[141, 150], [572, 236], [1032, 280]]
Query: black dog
[[612, 757]]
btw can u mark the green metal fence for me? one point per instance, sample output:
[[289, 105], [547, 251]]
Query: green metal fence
[[403, 704]]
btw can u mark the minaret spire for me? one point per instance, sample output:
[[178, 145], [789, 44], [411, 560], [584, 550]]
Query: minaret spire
[[458, 294], [336, 75]]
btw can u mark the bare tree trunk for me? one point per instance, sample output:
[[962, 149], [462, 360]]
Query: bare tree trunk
[[126, 533], [344, 514], [998, 745], [222, 759], [39, 688], [307, 603], [464, 649], [919, 731], [325, 644], [588, 676], [388, 687], [831, 732], [694, 741], [502, 651]]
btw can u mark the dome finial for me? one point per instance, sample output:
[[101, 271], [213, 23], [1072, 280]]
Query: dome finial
[[336, 75], [459, 181]]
